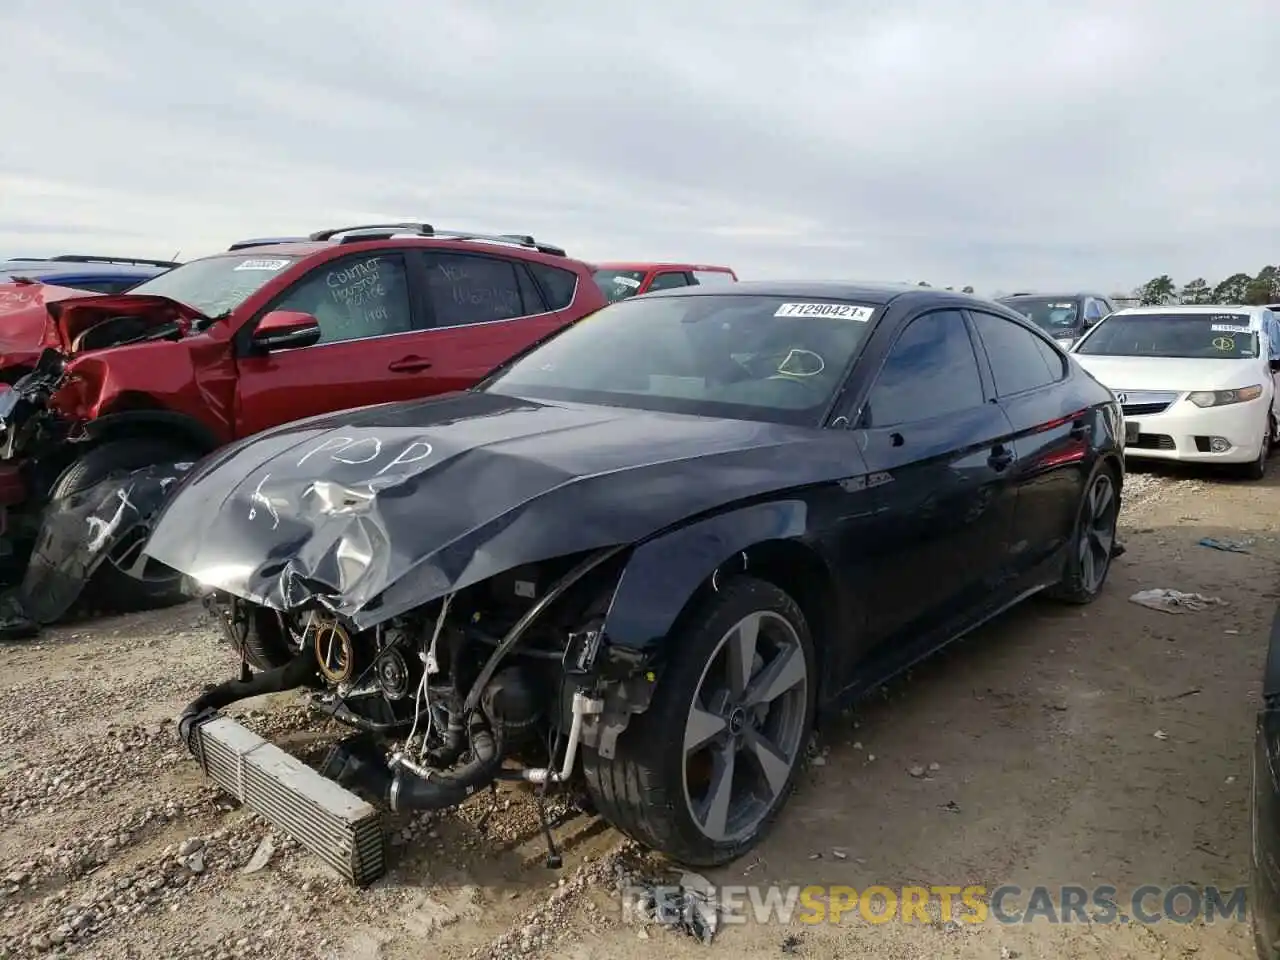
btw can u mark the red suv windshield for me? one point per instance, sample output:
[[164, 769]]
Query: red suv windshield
[[217, 285]]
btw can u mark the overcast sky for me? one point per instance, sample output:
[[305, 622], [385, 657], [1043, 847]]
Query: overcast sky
[[1000, 144]]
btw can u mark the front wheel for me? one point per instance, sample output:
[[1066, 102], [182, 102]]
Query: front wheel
[[112, 585], [1093, 543], [701, 775], [1257, 469]]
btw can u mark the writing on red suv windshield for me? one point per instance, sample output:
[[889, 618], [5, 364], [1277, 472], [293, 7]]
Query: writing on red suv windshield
[[217, 285]]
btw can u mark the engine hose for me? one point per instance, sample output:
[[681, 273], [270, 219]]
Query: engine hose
[[300, 671], [358, 762], [454, 743]]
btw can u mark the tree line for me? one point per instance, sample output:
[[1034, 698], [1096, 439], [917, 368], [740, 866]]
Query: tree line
[[1254, 290]]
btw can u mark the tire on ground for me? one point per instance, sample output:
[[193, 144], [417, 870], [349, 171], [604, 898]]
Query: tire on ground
[[111, 587], [641, 789], [1071, 588]]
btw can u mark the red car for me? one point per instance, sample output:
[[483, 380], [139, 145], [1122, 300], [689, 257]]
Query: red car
[[226, 346], [621, 280]]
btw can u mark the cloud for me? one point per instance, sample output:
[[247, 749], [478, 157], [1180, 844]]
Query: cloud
[[992, 143]]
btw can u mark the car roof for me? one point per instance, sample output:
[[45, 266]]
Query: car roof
[[658, 265], [1211, 309], [390, 234], [104, 266], [1072, 295], [869, 293]]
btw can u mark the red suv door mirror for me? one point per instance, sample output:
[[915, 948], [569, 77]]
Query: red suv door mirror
[[283, 329]]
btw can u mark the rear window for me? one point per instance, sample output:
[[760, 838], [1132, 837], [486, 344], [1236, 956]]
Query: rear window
[[558, 286], [1195, 336]]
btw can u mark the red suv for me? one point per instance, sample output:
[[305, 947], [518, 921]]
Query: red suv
[[267, 332], [617, 281]]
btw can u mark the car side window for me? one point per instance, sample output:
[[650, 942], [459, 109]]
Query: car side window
[[669, 280], [931, 371], [102, 286], [467, 288], [1017, 361], [1094, 310], [558, 286], [354, 298], [710, 277]]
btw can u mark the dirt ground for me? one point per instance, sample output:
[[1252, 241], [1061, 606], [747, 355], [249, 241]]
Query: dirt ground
[[1108, 744]]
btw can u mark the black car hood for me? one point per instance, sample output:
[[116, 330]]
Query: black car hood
[[375, 511]]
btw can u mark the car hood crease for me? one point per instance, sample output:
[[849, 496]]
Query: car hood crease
[[373, 512]]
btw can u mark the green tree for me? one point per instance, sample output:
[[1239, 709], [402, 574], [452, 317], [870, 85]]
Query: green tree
[[1257, 293], [924, 283], [1158, 290], [967, 289], [1196, 291], [1233, 289], [1269, 278]]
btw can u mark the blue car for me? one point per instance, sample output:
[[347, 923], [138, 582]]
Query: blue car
[[95, 274]]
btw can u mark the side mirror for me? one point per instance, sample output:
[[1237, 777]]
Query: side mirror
[[285, 329], [1275, 364]]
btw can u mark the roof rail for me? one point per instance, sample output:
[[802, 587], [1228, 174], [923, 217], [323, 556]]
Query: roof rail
[[422, 229], [264, 242], [388, 230]]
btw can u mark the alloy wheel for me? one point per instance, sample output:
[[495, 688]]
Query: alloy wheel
[[745, 728], [1098, 533]]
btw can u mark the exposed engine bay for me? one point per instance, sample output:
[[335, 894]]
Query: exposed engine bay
[[494, 682]]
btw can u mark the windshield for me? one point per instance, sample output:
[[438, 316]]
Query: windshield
[[619, 284], [1053, 315], [216, 285], [1200, 336], [741, 357]]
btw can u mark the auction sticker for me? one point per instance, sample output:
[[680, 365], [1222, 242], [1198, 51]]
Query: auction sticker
[[271, 265], [1228, 328], [836, 311]]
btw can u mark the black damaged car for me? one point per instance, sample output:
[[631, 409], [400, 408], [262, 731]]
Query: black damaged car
[[641, 557]]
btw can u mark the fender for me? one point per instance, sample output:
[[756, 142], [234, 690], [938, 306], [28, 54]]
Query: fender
[[135, 423], [663, 573]]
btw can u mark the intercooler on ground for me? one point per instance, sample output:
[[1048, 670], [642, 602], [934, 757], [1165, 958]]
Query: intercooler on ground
[[330, 821]]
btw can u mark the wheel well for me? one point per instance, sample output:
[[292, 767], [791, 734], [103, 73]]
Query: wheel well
[[1117, 468], [139, 415], [794, 569]]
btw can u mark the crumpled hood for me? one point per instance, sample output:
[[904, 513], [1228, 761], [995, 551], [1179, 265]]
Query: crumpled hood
[[25, 327], [402, 503], [73, 317], [1172, 373]]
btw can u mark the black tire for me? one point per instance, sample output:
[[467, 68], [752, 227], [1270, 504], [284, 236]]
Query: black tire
[[1073, 588], [641, 789], [110, 587], [266, 640], [1257, 469]]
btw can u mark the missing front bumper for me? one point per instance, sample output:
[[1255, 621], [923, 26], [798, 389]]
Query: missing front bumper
[[328, 820]]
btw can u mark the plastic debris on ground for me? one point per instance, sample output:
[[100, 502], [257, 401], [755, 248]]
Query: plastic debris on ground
[[691, 906], [1229, 546], [1175, 601]]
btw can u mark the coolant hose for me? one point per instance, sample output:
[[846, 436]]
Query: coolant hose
[[358, 762], [297, 672]]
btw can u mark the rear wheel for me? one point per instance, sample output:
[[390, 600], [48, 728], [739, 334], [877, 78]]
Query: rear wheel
[[701, 775], [1093, 544], [113, 585]]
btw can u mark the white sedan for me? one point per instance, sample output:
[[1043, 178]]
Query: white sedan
[[1196, 383]]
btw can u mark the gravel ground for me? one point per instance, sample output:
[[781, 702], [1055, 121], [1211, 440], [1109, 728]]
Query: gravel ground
[[1025, 755]]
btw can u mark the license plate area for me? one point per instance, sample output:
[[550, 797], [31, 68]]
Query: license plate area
[[1131, 430]]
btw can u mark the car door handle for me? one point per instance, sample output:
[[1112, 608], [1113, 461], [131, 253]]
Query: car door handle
[[1001, 457], [409, 364]]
